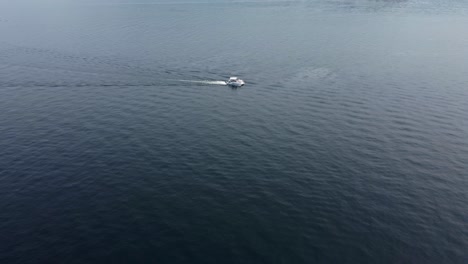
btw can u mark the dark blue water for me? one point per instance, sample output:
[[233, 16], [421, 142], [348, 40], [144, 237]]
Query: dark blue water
[[349, 143]]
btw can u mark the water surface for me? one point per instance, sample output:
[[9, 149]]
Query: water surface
[[349, 143]]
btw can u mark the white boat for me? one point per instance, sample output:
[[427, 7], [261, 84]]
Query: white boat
[[235, 82]]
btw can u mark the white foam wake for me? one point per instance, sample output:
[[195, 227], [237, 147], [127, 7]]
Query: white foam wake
[[205, 82]]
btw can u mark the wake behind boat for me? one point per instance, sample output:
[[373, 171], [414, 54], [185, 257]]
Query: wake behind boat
[[235, 82]]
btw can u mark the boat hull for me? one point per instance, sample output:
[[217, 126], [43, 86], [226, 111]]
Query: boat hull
[[235, 84]]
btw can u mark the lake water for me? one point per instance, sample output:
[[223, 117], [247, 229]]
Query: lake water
[[348, 144]]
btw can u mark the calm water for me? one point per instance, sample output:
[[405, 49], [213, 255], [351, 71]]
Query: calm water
[[349, 143]]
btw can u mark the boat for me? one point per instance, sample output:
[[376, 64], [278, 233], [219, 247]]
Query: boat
[[235, 82]]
